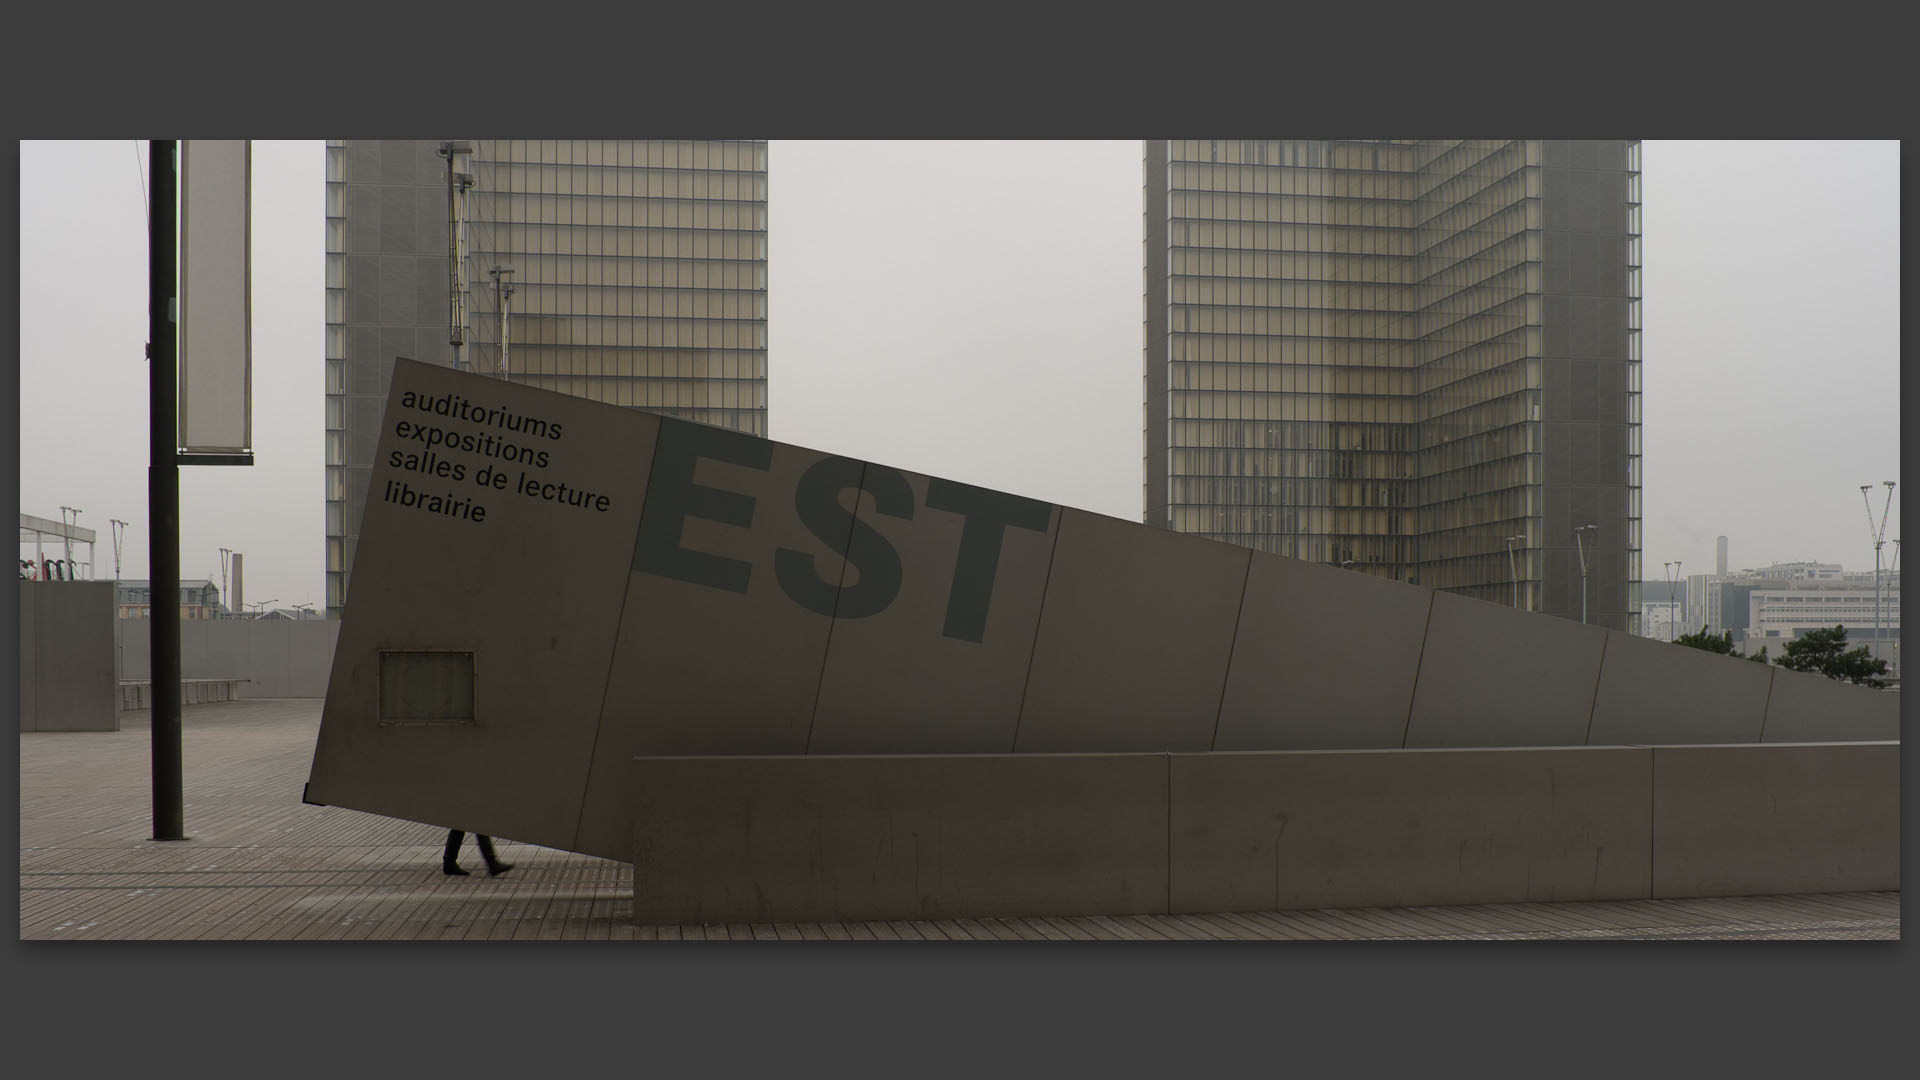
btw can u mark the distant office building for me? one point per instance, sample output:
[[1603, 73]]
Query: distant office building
[[1779, 612], [1418, 358], [199, 599], [1660, 609], [1720, 556], [627, 271]]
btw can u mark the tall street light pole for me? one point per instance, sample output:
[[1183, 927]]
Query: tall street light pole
[[119, 530], [1581, 548], [1878, 533], [163, 492], [1673, 581]]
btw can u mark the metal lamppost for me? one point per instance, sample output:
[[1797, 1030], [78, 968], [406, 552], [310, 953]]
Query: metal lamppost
[[1514, 569], [1581, 548], [1892, 574], [1673, 615], [67, 535], [1878, 532]]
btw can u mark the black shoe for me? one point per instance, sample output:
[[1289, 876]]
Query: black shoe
[[498, 868], [452, 869]]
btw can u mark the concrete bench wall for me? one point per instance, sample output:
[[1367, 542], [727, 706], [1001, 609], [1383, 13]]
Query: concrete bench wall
[[827, 837]]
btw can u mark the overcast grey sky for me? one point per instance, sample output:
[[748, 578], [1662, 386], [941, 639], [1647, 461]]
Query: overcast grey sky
[[972, 310]]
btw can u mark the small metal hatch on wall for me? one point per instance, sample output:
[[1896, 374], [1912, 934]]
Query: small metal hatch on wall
[[426, 687]]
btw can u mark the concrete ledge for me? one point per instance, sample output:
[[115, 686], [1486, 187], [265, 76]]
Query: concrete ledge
[[1383, 828], [1776, 818], [136, 696], [755, 839], [819, 838]]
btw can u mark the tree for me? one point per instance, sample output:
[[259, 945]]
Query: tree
[[1722, 645], [1825, 652], [1700, 639]]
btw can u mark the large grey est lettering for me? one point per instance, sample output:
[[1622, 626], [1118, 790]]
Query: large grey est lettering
[[817, 501], [672, 497], [988, 514]]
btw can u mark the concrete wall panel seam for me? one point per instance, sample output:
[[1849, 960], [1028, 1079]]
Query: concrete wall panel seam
[[1766, 711], [1166, 905], [600, 721], [1026, 681], [1597, 676], [1414, 693], [1227, 679], [806, 745]]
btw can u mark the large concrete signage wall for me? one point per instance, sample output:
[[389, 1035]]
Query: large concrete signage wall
[[546, 587]]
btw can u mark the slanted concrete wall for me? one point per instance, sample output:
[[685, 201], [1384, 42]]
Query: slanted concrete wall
[[1812, 708], [1654, 692], [1323, 658], [66, 656], [802, 838], [269, 658], [736, 595], [1493, 676]]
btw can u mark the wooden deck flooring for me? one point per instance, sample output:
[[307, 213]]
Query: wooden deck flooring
[[261, 865]]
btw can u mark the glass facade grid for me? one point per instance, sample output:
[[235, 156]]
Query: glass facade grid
[[633, 272], [1350, 358]]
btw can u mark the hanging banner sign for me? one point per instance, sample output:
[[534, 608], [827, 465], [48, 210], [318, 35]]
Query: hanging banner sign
[[216, 296]]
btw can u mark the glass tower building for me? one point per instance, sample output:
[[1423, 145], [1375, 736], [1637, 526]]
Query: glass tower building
[[1418, 359], [632, 272]]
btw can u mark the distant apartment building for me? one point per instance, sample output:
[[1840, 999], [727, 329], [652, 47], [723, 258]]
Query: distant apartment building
[[199, 599], [632, 272], [1418, 359], [1771, 605]]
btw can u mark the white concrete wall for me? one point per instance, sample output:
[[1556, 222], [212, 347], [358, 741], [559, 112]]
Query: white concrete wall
[[278, 658]]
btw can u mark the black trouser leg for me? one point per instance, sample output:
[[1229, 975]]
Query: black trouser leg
[[494, 865], [452, 859]]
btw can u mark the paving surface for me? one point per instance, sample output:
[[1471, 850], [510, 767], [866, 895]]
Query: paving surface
[[261, 865]]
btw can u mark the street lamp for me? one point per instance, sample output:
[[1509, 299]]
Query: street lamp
[[1673, 615], [259, 607], [1581, 548], [66, 534], [1514, 569], [1878, 532]]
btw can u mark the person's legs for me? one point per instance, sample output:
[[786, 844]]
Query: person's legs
[[451, 863], [494, 865]]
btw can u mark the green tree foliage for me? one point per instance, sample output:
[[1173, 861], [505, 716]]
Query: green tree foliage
[[1723, 644], [1700, 639], [1825, 652]]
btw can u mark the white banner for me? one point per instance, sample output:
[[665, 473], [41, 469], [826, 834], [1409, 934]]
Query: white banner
[[216, 296]]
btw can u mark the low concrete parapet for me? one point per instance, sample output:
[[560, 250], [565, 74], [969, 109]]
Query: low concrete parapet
[[1776, 818], [817, 837], [1403, 828], [756, 839]]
